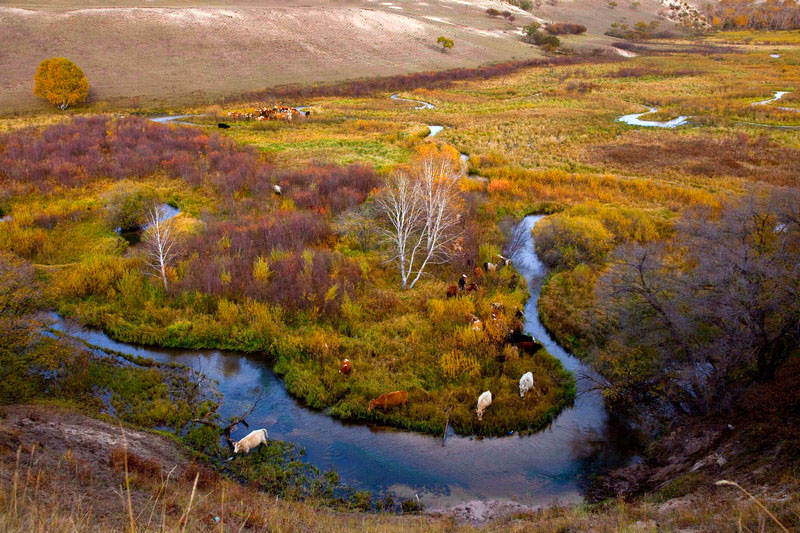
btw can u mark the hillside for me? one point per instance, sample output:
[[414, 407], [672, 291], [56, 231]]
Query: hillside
[[160, 54]]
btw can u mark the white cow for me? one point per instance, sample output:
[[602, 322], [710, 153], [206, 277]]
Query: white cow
[[525, 384], [484, 401], [253, 440]]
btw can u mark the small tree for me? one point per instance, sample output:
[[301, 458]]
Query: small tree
[[445, 42], [61, 82], [160, 242], [419, 211]]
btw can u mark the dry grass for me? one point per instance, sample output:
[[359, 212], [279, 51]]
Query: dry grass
[[191, 55], [38, 496]]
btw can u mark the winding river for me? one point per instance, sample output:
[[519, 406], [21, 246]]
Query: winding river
[[634, 120], [528, 471]]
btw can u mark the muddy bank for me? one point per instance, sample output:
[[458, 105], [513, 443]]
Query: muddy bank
[[758, 437]]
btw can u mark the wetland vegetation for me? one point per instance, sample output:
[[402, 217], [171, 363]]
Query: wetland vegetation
[[304, 278]]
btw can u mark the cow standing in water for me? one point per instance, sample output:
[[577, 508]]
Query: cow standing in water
[[253, 440]]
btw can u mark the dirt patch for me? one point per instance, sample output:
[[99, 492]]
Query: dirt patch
[[60, 435]]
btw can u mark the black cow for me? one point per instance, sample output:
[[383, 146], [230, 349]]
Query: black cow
[[223, 126]]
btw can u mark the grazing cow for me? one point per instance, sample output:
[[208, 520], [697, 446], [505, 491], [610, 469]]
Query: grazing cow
[[477, 325], [346, 367], [253, 440], [277, 190], [490, 267], [504, 261], [472, 287], [462, 282], [479, 273], [516, 337], [484, 401], [529, 347], [452, 290], [518, 313], [308, 113], [517, 327], [223, 126], [390, 399], [525, 384]]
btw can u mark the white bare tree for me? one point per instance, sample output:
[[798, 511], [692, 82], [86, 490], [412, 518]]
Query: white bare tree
[[420, 211], [160, 242]]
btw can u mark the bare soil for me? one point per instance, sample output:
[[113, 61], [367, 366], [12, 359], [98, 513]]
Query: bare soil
[[53, 439]]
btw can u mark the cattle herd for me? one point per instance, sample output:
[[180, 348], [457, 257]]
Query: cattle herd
[[514, 333], [270, 113]]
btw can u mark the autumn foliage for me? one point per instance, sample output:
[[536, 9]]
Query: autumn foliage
[[61, 82]]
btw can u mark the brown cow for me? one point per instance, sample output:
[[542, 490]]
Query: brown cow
[[479, 273], [529, 347], [452, 290], [346, 367], [472, 287], [390, 399]]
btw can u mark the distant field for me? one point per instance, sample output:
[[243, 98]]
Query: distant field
[[155, 55], [757, 37]]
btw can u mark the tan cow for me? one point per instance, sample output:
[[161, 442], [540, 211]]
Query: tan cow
[[253, 440], [390, 399]]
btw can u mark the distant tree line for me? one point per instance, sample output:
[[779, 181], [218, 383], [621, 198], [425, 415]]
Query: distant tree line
[[407, 82], [753, 15]]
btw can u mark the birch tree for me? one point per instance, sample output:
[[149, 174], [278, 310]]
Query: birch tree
[[419, 209], [160, 243]]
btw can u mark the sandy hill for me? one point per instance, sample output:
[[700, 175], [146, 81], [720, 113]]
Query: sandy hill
[[187, 51]]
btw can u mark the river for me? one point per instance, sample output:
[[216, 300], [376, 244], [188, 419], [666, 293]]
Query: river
[[528, 471]]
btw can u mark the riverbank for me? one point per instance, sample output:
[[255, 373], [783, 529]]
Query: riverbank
[[68, 481]]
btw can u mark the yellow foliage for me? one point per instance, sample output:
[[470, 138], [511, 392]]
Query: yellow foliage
[[265, 318], [227, 312], [510, 353], [432, 151], [451, 311], [94, 276], [497, 186], [455, 364], [61, 82], [261, 269], [472, 185]]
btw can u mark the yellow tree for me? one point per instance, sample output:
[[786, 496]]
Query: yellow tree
[[61, 82]]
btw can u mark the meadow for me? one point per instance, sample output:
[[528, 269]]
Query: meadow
[[304, 277]]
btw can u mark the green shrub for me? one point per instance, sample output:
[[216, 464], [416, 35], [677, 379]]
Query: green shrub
[[563, 241]]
